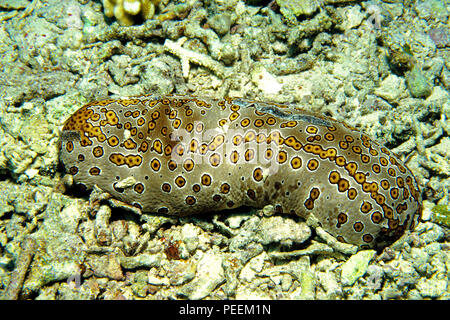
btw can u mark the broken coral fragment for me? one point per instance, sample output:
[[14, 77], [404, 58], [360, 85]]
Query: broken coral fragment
[[127, 12]]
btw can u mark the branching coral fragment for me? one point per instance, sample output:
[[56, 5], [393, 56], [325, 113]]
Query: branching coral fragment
[[189, 56]]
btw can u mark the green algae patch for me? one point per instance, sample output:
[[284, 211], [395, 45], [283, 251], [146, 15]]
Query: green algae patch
[[355, 267], [417, 83], [442, 215]]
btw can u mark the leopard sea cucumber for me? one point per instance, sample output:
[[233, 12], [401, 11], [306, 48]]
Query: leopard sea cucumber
[[187, 155]]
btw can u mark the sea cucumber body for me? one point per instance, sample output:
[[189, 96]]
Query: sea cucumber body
[[186, 155]]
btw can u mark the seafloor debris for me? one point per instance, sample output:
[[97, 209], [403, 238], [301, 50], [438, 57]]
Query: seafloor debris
[[381, 66]]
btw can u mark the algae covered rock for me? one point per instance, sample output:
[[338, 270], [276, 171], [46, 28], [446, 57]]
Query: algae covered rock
[[400, 58], [433, 287], [281, 230], [221, 23], [291, 9], [356, 267], [209, 275], [14, 4], [417, 83], [391, 88], [432, 9], [442, 214]]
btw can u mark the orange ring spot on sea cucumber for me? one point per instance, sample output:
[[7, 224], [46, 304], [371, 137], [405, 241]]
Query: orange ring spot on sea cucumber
[[166, 187], [190, 200], [97, 151], [249, 136], [365, 158], [343, 185], [188, 165], [314, 193], [237, 139], [69, 146], [282, 157], [340, 161], [113, 141], [234, 116], [196, 188], [249, 155], [225, 188], [271, 121], [366, 207], [258, 123], [206, 179], [342, 218], [352, 193], [180, 181], [155, 164], [258, 174], [189, 127], [349, 138], [176, 123], [357, 149], [334, 177], [311, 129], [157, 146], [172, 165], [376, 217], [358, 226], [234, 157], [296, 163], [312, 164], [94, 171], [214, 159], [329, 136], [139, 188], [367, 238]]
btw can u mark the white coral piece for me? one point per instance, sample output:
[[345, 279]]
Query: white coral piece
[[126, 11]]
